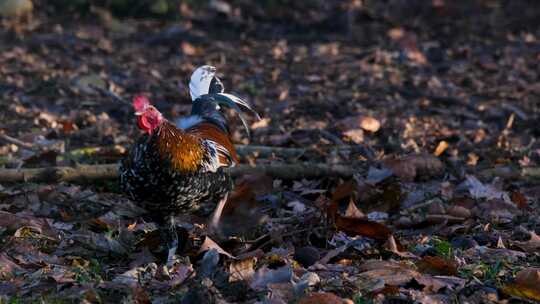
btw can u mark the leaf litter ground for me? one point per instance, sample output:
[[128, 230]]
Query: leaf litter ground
[[443, 209]]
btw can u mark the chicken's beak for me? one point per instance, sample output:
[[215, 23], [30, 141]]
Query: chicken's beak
[[138, 113]]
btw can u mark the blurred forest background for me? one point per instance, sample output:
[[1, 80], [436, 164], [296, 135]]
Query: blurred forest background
[[289, 57], [433, 103]]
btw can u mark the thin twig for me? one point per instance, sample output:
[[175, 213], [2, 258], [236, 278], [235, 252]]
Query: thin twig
[[368, 153], [271, 240], [331, 137], [17, 142]]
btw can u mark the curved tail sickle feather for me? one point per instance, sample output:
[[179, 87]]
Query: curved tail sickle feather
[[207, 94]]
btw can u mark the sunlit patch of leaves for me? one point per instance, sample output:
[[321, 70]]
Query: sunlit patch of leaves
[[91, 272], [442, 248]]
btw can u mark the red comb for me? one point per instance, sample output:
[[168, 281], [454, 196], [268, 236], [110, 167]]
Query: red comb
[[140, 103]]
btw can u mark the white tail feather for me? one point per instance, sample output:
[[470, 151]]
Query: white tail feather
[[199, 83]]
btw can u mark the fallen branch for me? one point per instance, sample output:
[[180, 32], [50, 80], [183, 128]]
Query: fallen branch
[[59, 174], [295, 171], [82, 173], [268, 151], [508, 172], [532, 172], [242, 150]]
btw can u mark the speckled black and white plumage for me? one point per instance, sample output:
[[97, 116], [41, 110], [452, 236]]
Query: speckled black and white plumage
[[151, 180], [175, 169]]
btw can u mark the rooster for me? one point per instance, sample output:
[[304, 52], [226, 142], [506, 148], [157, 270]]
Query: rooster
[[179, 168]]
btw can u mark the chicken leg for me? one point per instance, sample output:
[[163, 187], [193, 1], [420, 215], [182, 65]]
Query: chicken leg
[[216, 215], [168, 234]]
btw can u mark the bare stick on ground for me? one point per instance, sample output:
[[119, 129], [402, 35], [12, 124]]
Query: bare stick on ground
[[268, 151], [509, 172], [19, 143], [83, 173]]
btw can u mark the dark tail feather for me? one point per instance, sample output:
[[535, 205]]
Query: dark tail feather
[[234, 103]]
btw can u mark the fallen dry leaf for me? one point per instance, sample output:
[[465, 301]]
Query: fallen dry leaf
[[493, 255], [265, 276], [344, 193], [479, 190], [208, 244], [8, 267], [137, 275], [459, 211], [398, 274], [242, 270], [355, 135], [526, 285], [520, 200], [344, 190], [100, 242], [15, 221], [363, 227], [437, 266], [178, 274], [386, 290], [321, 298], [434, 284], [392, 273], [393, 246], [370, 124], [333, 253], [68, 126], [353, 212], [441, 147], [532, 245], [263, 123], [141, 296], [366, 123], [411, 166], [497, 211], [188, 48], [283, 292], [417, 56]]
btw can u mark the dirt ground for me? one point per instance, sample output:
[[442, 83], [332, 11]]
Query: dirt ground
[[434, 104]]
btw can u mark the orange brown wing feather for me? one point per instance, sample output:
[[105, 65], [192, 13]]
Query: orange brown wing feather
[[211, 132], [184, 150]]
